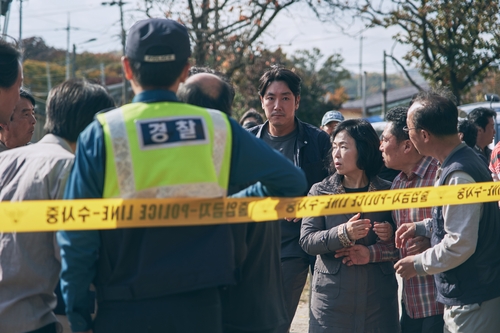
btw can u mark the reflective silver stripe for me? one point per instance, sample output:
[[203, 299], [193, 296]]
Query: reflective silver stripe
[[195, 190], [220, 139], [121, 150]]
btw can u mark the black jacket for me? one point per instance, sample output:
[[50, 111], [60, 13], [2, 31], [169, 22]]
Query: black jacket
[[311, 155]]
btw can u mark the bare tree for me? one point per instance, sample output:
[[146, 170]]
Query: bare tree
[[223, 31]]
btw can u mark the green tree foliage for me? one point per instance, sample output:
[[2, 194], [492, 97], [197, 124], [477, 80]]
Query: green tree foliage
[[319, 85], [453, 41]]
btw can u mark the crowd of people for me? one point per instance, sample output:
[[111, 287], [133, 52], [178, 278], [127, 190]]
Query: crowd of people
[[176, 139]]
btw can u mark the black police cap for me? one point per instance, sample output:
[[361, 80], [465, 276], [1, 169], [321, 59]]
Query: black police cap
[[158, 40]]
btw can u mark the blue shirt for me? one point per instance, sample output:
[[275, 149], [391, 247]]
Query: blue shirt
[[252, 162]]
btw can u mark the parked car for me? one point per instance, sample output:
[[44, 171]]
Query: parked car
[[379, 127]]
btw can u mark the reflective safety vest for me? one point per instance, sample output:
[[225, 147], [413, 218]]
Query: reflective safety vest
[[166, 149]]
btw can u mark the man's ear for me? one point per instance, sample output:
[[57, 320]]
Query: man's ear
[[185, 72], [297, 102], [127, 69], [425, 135], [407, 146]]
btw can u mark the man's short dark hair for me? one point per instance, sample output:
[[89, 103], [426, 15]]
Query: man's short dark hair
[[157, 74], [194, 94], [278, 73], [72, 105], [397, 116], [27, 95], [252, 114], [480, 116], [10, 58], [438, 114], [367, 143], [469, 132]]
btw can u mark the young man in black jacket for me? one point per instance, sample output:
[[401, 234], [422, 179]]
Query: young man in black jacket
[[307, 147]]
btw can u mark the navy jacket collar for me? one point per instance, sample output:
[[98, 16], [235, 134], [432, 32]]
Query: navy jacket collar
[[151, 96]]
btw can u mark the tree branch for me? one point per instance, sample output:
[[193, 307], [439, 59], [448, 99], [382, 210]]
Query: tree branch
[[406, 73]]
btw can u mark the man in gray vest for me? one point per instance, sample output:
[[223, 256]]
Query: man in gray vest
[[465, 239]]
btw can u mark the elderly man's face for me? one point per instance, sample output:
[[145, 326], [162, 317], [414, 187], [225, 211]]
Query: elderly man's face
[[19, 131], [392, 150], [413, 132]]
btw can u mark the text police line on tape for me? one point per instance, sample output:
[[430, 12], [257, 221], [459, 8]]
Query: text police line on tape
[[91, 214]]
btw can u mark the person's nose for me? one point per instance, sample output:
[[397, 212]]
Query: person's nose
[[277, 105], [336, 152]]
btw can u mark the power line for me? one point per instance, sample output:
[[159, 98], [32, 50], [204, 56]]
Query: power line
[[58, 12]]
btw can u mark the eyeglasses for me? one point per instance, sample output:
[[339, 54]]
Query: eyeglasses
[[407, 130]]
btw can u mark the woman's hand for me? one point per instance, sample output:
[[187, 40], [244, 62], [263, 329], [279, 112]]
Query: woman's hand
[[354, 255], [357, 228], [383, 230]]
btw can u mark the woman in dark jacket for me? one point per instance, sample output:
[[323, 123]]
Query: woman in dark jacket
[[351, 291]]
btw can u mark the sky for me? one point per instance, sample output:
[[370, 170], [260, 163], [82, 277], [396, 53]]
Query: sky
[[294, 29]]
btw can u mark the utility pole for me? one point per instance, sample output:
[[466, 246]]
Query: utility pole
[[103, 75], [384, 90], [49, 79], [5, 10], [21, 24], [68, 28], [73, 61], [360, 81], [364, 113], [68, 61], [120, 4], [215, 49]]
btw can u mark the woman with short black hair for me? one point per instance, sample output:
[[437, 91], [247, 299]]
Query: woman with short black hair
[[352, 291]]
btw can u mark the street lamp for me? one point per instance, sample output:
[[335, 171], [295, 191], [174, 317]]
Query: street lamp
[[73, 73]]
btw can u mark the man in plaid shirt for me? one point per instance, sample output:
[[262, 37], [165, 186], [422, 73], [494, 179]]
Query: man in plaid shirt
[[421, 312]]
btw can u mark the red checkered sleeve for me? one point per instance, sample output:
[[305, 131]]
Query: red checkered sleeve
[[383, 251]]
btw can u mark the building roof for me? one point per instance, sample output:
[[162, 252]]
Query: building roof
[[393, 96]]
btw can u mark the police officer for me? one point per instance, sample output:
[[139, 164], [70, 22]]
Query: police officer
[[161, 279]]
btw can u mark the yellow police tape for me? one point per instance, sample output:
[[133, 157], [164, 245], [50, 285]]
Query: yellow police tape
[[90, 214]]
